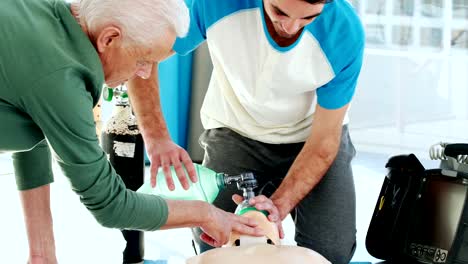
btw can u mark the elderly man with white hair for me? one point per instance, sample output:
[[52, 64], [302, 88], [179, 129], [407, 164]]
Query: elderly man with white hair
[[54, 60]]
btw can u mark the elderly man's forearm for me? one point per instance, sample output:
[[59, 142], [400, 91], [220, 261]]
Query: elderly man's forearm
[[181, 214]]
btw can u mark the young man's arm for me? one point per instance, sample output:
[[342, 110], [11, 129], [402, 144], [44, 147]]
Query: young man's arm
[[322, 145], [144, 95], [162, 151], [313, 161]]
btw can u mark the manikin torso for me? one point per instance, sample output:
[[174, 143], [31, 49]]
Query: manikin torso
[[259, 250]]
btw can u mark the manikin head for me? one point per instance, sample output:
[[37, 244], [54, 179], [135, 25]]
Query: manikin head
[[259, 250], [130, 36], [290, 16]]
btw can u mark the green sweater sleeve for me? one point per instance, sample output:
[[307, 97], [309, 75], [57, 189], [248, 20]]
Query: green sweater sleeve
[[62, 107]]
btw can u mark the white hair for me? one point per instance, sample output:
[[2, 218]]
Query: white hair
[[142, 21]]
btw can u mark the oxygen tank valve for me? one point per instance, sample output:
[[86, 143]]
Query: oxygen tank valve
[[120, 93]]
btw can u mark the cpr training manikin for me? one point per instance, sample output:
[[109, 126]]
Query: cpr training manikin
[[258, 250]]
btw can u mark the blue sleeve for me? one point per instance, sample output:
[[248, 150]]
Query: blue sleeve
[[204, 14], [341, 36], [197, 31], [340, 90]]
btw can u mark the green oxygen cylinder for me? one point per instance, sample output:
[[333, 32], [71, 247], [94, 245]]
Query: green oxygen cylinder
[[209, 184]]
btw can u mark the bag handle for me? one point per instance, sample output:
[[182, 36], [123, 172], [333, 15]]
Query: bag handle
[[455, 150]]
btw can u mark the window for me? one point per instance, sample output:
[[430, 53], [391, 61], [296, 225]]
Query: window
[[414, 76], [460, 9]]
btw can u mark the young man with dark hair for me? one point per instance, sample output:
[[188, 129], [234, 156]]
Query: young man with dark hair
[[284, 74]]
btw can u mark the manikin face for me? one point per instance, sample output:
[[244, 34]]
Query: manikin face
[[260, 251], [290, 16], [122, 61]]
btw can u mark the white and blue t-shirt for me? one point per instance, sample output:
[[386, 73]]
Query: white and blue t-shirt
[[267, 92]]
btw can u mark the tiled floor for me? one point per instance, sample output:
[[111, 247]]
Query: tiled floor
[[80, 239]]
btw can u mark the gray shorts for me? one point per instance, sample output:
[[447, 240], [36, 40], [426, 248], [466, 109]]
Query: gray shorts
[[325, 220]]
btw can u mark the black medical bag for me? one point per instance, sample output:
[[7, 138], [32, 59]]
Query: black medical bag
[[421, 215]]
